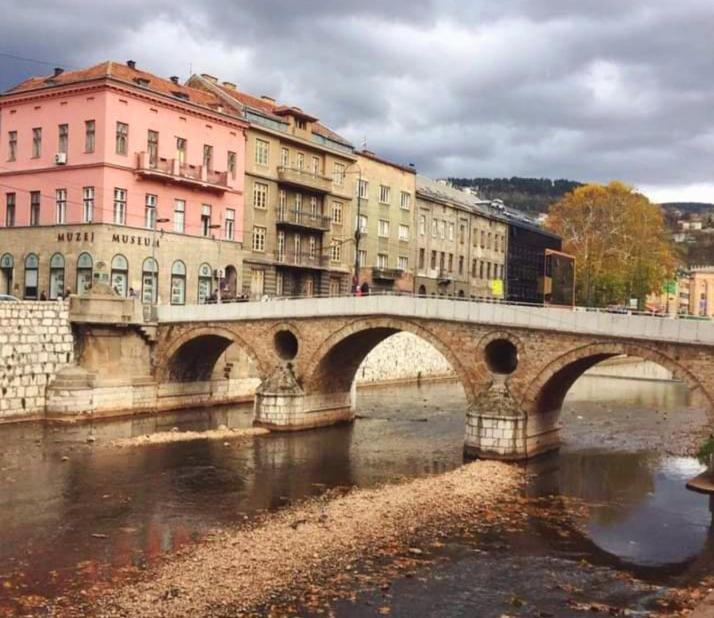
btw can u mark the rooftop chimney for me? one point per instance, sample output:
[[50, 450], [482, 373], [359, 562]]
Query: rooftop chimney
[[131, 64], [58, 71], [229, 85], [174, 79], [210, 78]]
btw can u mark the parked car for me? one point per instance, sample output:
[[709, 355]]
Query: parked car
[[8, 297]]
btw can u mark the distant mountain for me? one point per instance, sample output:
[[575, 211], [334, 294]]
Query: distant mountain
[[531, 195]]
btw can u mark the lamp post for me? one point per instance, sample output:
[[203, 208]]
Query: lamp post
[[217, 226], [358, 232], [155, 274]]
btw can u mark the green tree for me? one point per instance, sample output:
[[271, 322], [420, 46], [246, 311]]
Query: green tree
[[619, 239]]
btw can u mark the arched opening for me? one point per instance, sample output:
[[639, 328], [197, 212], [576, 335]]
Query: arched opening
[[7, 268], [501, 356], [205, 276], [422, 290], [32, 270], [56, 276], [120, 275], [85, 271], [149, 281], [178, 283], [286, 344], [195, 359], [230, 283]]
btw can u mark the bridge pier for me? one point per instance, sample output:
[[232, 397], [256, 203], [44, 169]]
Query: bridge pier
[[497, 427], [281, 404]]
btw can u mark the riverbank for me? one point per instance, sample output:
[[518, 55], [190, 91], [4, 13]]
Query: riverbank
[[291, 550]]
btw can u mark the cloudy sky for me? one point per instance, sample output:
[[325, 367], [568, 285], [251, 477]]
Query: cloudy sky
[[582, 89]]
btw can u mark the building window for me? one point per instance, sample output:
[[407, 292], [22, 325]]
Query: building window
[[9, 210], [298, 246], [149, 281], [363, 225], [336, 251], [231, 164], [313, 207], [85, 269], [90, 129], [474, 266], [35, 197], [208, 157], [403, 232], [36, 143], [442, 229], [32, 268], [462, 234], [432, 264], [282, 205], [337, 212], [338, 174], [150, 211], [382, 260], [260, 195], [362, 258], [405, 200], [179, 216], [422, 258], [61, 203], [384, 194], [152, 145], [122, 138], [316, 166], [300, 160], [205, 277], [483, 241], [488, 270], [312, 247], [230, 217], [422, 225], [257, 282], [480, 270], [461, 264], [279, 284], [87, 204], [451, 231], [120, 275], [181, 147], [284, 157], [403, 262], [300, 124], [205, 220], [383, 228], [434, 228], [280, 251], [259, 233], [63, 139], [363, 189], [56, 276], [178, 283], [262, 150], [298, 202], [7, 267], [119, 206], [451, 262], [11, 145]]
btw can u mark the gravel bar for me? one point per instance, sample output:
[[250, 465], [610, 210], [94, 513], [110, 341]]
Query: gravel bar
[[238, 571]]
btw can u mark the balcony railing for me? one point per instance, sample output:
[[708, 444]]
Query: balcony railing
[[302, 259], [174, 170], [386, 274], [306, 179], [304, 219]]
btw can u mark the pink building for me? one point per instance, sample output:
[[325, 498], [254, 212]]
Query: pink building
[[113, 174]]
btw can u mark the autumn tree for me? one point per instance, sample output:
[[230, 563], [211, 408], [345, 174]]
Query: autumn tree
[[619, 240]]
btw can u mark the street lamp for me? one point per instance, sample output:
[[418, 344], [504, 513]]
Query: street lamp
[[217, 226], [358, 233], [154, 275]]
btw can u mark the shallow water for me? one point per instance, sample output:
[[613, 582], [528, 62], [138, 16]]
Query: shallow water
[[69, 523]]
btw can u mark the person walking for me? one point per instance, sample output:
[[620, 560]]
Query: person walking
[[365, 289]]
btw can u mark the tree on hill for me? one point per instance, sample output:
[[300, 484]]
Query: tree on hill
[[620, 242]]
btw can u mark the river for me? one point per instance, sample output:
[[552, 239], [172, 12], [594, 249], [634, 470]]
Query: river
[[74, 509]]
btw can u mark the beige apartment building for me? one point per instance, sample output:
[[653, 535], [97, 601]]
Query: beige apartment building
[[387, 240], [460, 243], [299, 185]]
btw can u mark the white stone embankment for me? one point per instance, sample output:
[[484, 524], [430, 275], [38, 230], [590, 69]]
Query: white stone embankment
[[35, 341], [240, 570]]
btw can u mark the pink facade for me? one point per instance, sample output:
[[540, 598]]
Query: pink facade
[[108, 175]]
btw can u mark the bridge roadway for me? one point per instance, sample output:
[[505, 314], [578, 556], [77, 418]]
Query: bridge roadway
[[516, 363]]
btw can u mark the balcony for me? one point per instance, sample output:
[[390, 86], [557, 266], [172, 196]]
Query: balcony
[[386, 274], [302, 260], [302, 219], [304, 179], [172, 170]]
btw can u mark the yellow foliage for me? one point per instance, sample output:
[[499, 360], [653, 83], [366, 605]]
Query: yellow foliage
[[619, 240]]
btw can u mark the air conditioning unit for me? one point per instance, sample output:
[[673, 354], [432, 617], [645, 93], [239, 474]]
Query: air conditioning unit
[[219, 273], [61, 158]]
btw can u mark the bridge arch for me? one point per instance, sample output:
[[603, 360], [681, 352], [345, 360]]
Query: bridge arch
[[333, 366], [193, 355], [546, 392]]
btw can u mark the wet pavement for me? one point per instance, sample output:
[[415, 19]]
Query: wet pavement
[[74, 509]]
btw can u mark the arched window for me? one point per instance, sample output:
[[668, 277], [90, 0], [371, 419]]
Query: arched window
[[32, 269], [422, 290], [85, 266], [7, 268], [120, 275], [56, 276], [178, 283], [205, 276], [149, 281]]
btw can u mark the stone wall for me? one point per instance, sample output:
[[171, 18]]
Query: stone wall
[[35, 341], [403, 357]]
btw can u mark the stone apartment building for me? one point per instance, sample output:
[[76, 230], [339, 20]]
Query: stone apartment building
[[111, 174], [387, 201], [460, 243], [299, 188]]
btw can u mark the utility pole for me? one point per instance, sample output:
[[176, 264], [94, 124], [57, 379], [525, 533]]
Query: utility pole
[[358, 232]]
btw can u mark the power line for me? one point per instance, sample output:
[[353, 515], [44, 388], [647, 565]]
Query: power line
[[26, 59]]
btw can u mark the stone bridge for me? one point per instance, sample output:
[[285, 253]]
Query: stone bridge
[[515, 363]]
